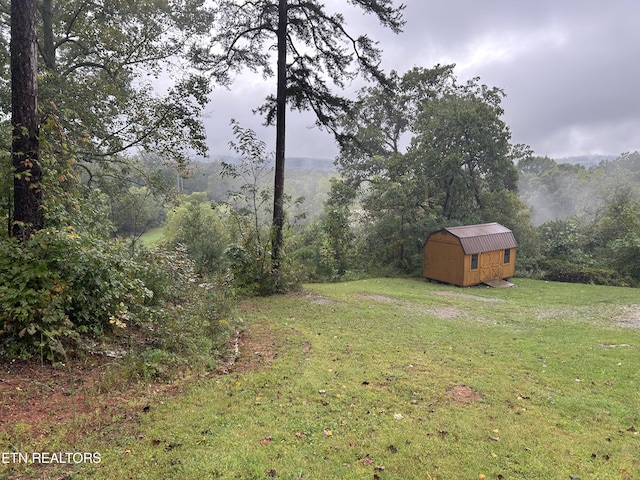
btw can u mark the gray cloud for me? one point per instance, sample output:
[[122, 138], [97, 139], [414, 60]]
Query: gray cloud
[[568, 69]]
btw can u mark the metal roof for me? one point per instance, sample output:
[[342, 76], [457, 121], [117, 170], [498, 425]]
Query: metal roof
[[485, 237]]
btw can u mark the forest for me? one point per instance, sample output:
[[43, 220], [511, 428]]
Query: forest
[[105, 157]]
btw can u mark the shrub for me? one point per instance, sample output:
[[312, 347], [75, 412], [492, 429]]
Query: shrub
[[189, 319], [196, 224], [59, 285], [565, 271]]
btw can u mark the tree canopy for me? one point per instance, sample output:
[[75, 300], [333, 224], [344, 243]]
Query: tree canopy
[[99, 70], [421, 151]]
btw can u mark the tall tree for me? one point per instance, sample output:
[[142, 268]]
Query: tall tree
[[463, 146], [427, 151], [314, 50], [379, 122], [27, 191], [114, 77]]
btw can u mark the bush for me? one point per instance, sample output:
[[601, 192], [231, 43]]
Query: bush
[[60, 285], [196, 224], [189, 319], [565, 271]]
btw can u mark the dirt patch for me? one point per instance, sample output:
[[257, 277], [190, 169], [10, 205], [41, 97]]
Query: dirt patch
[[44, 396], [629, 317], [375, 298], [37, 398], [318, 299], [448, 293], [254, 349], [463, 394], [444, 313]]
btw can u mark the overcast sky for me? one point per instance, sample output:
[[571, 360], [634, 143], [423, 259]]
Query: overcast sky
[[569, 69]]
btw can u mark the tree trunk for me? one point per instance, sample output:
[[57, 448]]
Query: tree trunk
[[27, 193], [48, 49], [281, 101]]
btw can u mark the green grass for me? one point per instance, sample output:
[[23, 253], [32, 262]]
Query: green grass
[[152, 237], [361, 387]]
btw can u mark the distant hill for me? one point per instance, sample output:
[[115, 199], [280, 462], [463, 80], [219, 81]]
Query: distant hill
[[586, 160], [326, 164], [311, 163], [298, 163]]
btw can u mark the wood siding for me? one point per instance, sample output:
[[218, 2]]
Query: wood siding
[[446, 261]]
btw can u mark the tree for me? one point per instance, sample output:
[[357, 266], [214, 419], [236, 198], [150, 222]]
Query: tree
[[27, 175], [100, 67], [463, 146], [379, 121], [313, 50], [197, 225], [458, 167], [249, 256]]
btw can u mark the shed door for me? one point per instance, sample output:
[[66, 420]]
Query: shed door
[[490, 263]]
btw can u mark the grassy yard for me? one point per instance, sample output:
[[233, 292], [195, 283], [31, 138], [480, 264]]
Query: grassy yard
[[402, 379], [152, 237]]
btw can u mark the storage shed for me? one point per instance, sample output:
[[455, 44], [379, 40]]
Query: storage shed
[[470, 255]]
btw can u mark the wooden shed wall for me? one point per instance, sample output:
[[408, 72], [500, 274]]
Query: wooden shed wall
[[444, 258], [445, 261]]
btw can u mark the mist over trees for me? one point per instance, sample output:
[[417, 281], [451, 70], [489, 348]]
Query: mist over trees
[[587, 217]]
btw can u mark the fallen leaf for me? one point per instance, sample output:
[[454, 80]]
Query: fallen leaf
[[494, 439], [272, 473], [367, 461], [299, 435], [266, 440], [327, 433], [379, 468]]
